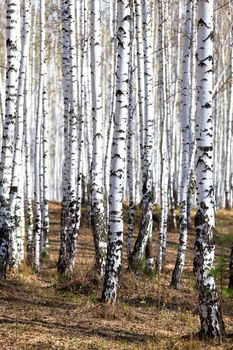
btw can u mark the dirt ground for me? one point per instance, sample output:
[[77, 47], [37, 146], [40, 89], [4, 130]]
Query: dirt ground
[[39, 311]]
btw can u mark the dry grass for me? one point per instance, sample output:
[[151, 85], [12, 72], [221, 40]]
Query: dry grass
[[38, 311]]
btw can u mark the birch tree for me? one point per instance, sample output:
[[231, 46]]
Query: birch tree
[[145, 233], [209, 308], [70, 216], [7, 152], [112, 88], [176, 276], [140, 69], [72, 211], [16, 203], [39, 212], [131, 151], [161, 255], [66, 96], [97, 192], [118, 156], [228, 203], [45, 160], [229, 144], [28, 180]]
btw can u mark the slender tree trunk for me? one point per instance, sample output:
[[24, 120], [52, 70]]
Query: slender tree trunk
[[65, 175], [131, 153], [163, 147], [38, 149], [81, 118], [209, 308], [45, 160], [118, 158], [145, 232], [228, 203], [177, 272], [17, 171], [140, 70], [229, 145], [192, 115], [97, 191], [28, 181], [112, 88], [7, 152], [71, 192]]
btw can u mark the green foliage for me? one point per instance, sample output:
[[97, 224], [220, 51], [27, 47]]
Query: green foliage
[[139, 265], [224, 238], [227, 293], [220, 268], [45, 259]]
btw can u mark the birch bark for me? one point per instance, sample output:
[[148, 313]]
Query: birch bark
[[97, 191], [17, 171], [228, 203], [118, 157], [72, 235], [140, 70], [38, 148], [177, 272], [229, 145], [131, 152], [28, 180], [7, 152], [163, 146], [66, 96], [145, 232], [70, 208], [45, 155], [209, 309]]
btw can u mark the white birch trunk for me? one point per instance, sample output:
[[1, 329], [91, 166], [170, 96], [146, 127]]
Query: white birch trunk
[[28, 181], [177, 272], [38, 225], [192, 114], [209, 309], [112, 88], [145, 233], [118, 158], [163, 147], [97, 191], [45, 153], [140, 70], [131, 154], [228, 203], [7, 152], [17, 178], [66, 95], [71, 194], [229, 145]]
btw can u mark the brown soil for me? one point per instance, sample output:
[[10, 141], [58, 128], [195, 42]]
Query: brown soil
[[38, 311]]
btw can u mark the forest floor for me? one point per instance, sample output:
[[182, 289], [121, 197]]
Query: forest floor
[[39, 311]]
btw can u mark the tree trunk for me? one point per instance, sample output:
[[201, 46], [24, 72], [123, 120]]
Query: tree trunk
[[163, 146], [65, 174], [28, 181], [177, 272], [228, 203], [118, 157], [17, 171], [131, 153], [7, 152], [209, 308], [71, 192], [145, 232], [38, 149], [97, 191]]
